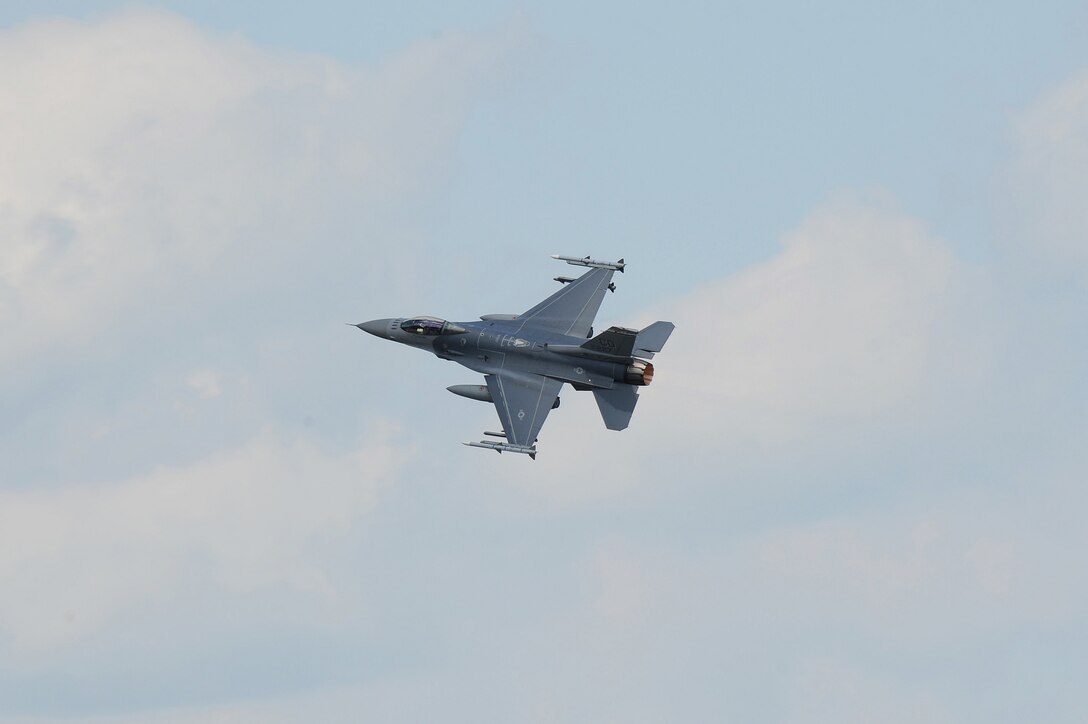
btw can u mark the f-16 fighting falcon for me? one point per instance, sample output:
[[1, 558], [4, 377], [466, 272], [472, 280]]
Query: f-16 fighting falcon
[[526, 358]]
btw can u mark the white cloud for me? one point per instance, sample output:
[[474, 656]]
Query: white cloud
[[207, 384], [922, 579], [831, 691], [843, 326], [141, 152], [624, 595], [265, 517], [1045, 187]]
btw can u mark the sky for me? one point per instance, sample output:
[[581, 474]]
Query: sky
[[853, 493]]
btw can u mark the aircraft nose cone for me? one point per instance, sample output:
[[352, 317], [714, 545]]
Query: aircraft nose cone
[[377, 327]]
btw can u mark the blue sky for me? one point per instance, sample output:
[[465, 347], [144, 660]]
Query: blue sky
[[853, 492]]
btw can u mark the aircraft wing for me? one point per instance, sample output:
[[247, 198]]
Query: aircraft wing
[[523, 402], [571, 309]]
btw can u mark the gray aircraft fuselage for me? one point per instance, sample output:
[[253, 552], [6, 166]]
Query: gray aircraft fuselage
[[486, 346]]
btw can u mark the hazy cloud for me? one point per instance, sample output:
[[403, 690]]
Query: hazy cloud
[[1046, 214], [142, 152], [264, 517]]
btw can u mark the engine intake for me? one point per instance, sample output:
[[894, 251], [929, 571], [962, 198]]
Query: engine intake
[[639, 372]]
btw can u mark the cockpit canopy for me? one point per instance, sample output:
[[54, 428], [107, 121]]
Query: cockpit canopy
[[430, 326]]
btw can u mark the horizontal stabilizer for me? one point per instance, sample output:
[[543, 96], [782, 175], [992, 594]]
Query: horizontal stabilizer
[[616, 406], [653, 339]]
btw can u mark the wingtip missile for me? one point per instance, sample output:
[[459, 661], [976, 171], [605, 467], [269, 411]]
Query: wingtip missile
[[501, 447], [594, 263]]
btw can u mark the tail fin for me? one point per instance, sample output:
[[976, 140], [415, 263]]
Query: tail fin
[[616, 405], [622, 342], [653, 339], [615, 341]]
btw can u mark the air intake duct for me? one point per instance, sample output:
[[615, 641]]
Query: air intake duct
[[639, 372]]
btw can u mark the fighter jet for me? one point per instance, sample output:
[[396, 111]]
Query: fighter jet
[[527, 358]]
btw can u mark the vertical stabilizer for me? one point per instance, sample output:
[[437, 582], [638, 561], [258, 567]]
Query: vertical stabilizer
[[616, 405], [653, 339], [615, 341]]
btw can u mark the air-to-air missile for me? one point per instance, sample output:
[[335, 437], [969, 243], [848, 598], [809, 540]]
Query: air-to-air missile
[[501, 447], [595, 263]]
